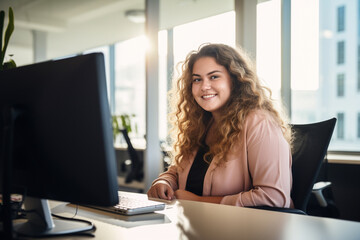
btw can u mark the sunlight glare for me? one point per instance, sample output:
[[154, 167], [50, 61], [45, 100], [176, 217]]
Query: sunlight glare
[[304, 44]]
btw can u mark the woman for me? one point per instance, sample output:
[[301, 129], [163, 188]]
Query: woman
[[232, 146]]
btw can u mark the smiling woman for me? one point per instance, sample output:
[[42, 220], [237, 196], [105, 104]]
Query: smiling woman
[[211, 86], [231, 145]]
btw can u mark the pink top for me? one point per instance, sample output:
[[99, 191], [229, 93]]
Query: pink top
[[257, 172]]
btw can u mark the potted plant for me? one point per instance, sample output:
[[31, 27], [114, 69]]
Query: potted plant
[[9, 30], [122, 122]]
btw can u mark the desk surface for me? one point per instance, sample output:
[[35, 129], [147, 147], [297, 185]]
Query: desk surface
[[196, 220]]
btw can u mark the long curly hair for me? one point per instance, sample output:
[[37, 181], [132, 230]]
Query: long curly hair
[[190, 121]]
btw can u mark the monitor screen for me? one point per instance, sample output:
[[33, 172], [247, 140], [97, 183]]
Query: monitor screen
[[62, 144]]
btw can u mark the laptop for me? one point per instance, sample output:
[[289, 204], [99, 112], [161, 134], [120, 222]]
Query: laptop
[[132, 204]]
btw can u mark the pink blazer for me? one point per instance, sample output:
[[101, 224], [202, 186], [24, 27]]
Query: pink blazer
[[258, 172]]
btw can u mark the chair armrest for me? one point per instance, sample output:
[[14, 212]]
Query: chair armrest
[[318, 192], [279, 209]]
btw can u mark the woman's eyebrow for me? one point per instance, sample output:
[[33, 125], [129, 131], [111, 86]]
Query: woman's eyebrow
[[212, 72]]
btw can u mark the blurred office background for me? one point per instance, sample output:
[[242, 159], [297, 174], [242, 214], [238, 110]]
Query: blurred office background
[[306, 51]]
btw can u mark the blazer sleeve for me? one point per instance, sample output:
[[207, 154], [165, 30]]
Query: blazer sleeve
[[269, 161], [170, 176]]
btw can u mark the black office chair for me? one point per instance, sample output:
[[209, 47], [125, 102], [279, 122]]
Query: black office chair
[[310, 145], [137, 171]]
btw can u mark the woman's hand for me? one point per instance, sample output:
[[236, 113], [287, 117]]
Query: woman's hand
[[162, 190]]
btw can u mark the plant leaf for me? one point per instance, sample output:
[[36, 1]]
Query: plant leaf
[[126, 122], [115, 125], [2, 19], [8, 32]]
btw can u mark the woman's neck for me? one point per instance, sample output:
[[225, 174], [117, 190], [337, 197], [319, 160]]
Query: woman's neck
[[215, 116], [210, 133]]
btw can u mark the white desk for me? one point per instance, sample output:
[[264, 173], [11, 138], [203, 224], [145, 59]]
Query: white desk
[[196, 220]]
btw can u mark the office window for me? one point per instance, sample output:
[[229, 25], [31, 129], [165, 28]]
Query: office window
[[341, 18], [358, 68], [340, 126], [130, 81], [317, 57], [268, 45], [358, 125], [340, 52], [340, 84]]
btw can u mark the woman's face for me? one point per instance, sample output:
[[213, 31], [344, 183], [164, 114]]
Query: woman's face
[[211, 85]]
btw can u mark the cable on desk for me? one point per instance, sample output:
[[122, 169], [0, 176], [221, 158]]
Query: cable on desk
[[73, 218], [93, 227], [76, 211]]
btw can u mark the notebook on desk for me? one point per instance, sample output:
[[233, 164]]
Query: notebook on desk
[[132, 204]]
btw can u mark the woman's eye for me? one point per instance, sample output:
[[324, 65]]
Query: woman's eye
[[213, 77], [196, 80]]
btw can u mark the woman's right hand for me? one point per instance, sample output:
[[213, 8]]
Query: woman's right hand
[[162, 190]]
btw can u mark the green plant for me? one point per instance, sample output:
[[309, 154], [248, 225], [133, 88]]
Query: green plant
[[9, 30], [122, 122]]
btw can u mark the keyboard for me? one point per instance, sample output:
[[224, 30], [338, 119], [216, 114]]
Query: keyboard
[[132, 205]]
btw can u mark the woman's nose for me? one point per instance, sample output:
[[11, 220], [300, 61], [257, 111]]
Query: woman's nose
[[206, 85]]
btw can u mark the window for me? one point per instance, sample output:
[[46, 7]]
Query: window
[[358, 68], [324, 75], [340, 126], [341, 18], [341, 52], [340, 84], [130, 89], [358, 125], [268, 45]]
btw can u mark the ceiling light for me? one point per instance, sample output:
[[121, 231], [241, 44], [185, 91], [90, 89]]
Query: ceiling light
[[135, 15]]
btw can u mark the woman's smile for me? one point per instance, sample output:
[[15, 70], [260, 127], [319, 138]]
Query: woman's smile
[[208, 96]]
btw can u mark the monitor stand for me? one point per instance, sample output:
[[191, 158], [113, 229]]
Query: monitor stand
[[40, 222]]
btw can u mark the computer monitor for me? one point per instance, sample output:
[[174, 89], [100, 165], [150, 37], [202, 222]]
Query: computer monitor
[[62, 138]]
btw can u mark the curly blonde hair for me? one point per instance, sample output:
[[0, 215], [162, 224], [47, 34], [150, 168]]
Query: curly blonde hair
[[190, 121]]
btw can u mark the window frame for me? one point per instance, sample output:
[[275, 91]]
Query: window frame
[[340, 85], [341, 18], [340, 52], [340, 126]]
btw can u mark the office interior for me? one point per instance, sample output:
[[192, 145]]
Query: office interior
[[305, 51]]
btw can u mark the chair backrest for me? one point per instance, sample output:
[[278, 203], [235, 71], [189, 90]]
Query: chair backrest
[[310, 145], [136, 172]]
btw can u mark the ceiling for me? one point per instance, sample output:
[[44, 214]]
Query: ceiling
[[57, 16], [71, 26]]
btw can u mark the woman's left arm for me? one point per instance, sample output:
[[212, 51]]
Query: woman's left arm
[[269, 161], [186, 195]]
